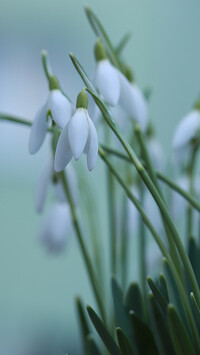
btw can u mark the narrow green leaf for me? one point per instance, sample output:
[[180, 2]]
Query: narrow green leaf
[[174, 294], [85, 330], [133, 300], [92, 348], [100, 32], [194, 257], [123, 42], [195, 308], [122, 315], [158, 295], [82, 72], [160, 325], [164, 287], [103, 333], [143, 335], [124, 344], [179, 335]]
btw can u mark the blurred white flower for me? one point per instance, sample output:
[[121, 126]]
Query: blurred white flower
[[56, 227], [187, 130], [133, 101], [56, 107], [47, 177], [78, 136], [179, 203], [156, 153], [107, 82]]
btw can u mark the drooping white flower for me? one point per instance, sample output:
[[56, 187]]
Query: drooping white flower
[[56, 227], [133, 101], [46, 178], [155, 153], [78, 136], [58, 108], [105, 78], [187, 130]]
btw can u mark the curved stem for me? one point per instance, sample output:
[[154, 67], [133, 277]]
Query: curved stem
[[83, 248], [161, 245]]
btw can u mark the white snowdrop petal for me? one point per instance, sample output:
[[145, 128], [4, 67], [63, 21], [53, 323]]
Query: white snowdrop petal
[[56, 227], [60, 107], [107, 82], [38, 130], [63, 153], [156, 153], [78, 130], [186, 129], [42, 184], [133, 101], [92, 151]]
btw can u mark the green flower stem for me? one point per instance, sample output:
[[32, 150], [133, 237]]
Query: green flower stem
[[83, 248], [153, 177], [191, 170], [160, 243], [100, 32], [146, 179], [124, 244], [112, 213], [160, 176], [46, 65], [15, 119], [142, 251]]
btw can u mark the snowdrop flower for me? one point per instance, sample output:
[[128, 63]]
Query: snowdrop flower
[[133, 101], [187, 130], [46, 177], [106, 77], [155, 150], [78, 136], [57, 107], [56, 227]]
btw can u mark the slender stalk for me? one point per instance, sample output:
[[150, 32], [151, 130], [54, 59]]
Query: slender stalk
[[46, 65], [191, 170], [160, 176], [111, 211], [153, 177], [161, 245], [146, 179], [124, 244], [83, 248], [142, 252]]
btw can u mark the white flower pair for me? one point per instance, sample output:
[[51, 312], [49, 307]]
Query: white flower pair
[[78, 131], [115, 88]]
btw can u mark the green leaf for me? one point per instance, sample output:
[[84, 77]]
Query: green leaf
[[124, 344], [123, 43], [179, 335], [195, 308], [103, 333], [85, 330], [100, 32], [91, 346], [164, 287], [158, 295], [173, 290], [143, 335], [194, 256], [133, 300], [122, 315], [160, 325], [82, 72]]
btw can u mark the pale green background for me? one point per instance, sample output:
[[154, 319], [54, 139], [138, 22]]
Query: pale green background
[[37, 291]]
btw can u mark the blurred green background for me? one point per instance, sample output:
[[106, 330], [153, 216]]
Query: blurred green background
[[37, 289]]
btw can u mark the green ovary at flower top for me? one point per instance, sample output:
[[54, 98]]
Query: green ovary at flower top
[[79, 135]]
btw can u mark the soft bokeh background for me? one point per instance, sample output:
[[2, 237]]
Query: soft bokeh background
[[37, 290]]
